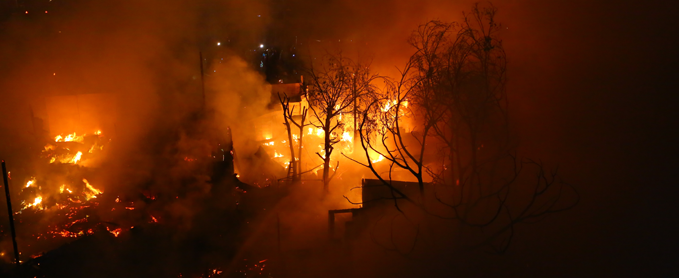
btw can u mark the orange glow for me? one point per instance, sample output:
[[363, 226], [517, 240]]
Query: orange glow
[[69, 138], [76, 158], [114, 232], [30, 182], [93, 192], [346, 136], [36, 204]]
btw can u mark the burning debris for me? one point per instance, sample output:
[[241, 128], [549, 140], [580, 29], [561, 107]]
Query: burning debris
[[66, 207]]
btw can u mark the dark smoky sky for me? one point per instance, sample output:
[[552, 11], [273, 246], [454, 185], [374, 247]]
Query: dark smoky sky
[[592, 84]]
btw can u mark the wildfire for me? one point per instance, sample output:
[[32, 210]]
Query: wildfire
[[57, 154], [36, 202], [76, 158], [62, 187], [388, 105], [72, 159], [115, 232], [30, 182], [93, 192], [346, 136], [70, 138]]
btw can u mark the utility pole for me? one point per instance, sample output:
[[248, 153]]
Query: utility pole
[[11, 213]]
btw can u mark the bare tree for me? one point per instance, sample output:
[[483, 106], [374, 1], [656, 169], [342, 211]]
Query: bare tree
[[362, 90], [337, 86], [288, 116], [452, 90]]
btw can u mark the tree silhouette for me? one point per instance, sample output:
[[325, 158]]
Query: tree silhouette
[[446, 118]]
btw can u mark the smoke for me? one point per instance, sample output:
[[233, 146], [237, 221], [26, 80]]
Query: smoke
[[132, 70]]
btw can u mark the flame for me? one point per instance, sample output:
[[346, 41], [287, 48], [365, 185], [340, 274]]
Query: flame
[[76, 158], [380, 158], [98, 132], [30, 182], [388, 105], [62, 187], [319, 132], [93, 191], [36, 203], [346, 136], [311, 131], [70, 138], [267, 135], [276, 154], [73, 159], [115, 232]]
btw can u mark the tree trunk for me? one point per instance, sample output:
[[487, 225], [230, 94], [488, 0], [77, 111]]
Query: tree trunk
[[298, 165], [292, 148], [328, 151], [355, 118], [292, 152]]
